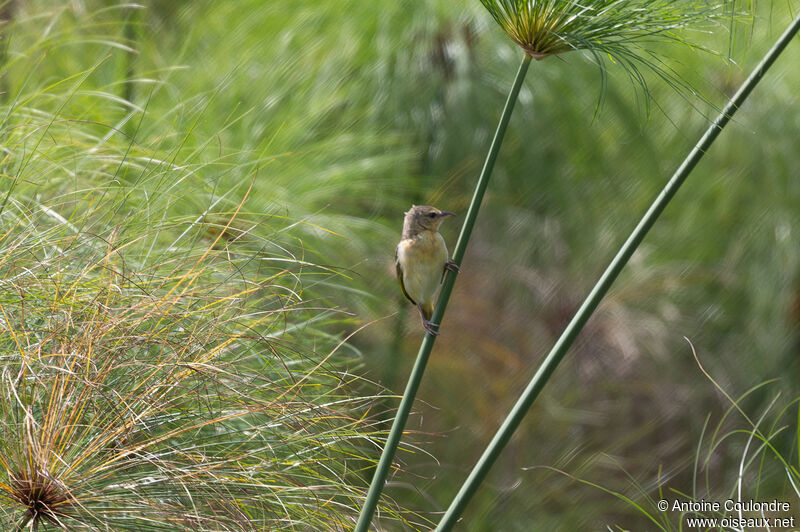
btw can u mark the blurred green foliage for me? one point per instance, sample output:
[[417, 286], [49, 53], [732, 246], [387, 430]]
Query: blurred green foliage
[[343, 113]]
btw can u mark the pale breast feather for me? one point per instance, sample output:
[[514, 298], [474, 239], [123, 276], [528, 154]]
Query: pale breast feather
[[422, 260]]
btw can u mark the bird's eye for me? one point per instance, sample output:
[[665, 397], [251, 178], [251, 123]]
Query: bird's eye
[[432, 215]]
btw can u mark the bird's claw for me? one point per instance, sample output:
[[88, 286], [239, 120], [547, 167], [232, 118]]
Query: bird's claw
[[429, 327], [452, 266]]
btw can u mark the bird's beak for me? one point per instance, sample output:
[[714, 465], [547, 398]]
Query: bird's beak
[[445, 214]]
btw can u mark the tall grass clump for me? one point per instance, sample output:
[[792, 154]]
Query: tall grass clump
[[162, 394], [165, 365]]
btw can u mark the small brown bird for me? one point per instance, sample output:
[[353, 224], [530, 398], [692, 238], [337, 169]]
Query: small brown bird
[[421, 259]]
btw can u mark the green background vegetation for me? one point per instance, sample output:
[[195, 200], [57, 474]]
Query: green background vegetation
[[325, 120]]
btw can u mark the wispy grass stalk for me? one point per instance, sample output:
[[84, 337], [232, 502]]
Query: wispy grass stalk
[[766, 469], [545, 371]]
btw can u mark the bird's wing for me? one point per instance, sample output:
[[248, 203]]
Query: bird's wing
[[400, 277]]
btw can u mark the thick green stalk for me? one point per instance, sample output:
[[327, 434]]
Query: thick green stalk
[[541, 377], [385, 463]]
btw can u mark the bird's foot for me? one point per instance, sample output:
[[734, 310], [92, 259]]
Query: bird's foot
[[452, 266], [428, 325]]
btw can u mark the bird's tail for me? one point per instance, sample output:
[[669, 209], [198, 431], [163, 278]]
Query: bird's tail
[[427, 310]]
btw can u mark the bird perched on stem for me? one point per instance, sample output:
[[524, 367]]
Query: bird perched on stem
[[421, 259]]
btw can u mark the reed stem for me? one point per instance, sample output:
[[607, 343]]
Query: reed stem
[[385, 463]]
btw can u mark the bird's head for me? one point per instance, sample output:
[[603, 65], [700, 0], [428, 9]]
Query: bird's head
[[423, 218]]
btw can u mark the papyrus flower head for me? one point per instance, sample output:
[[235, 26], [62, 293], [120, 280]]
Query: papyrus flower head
[[608, 27]]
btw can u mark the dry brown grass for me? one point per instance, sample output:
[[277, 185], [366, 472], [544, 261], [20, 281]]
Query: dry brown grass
[[167, 391]]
